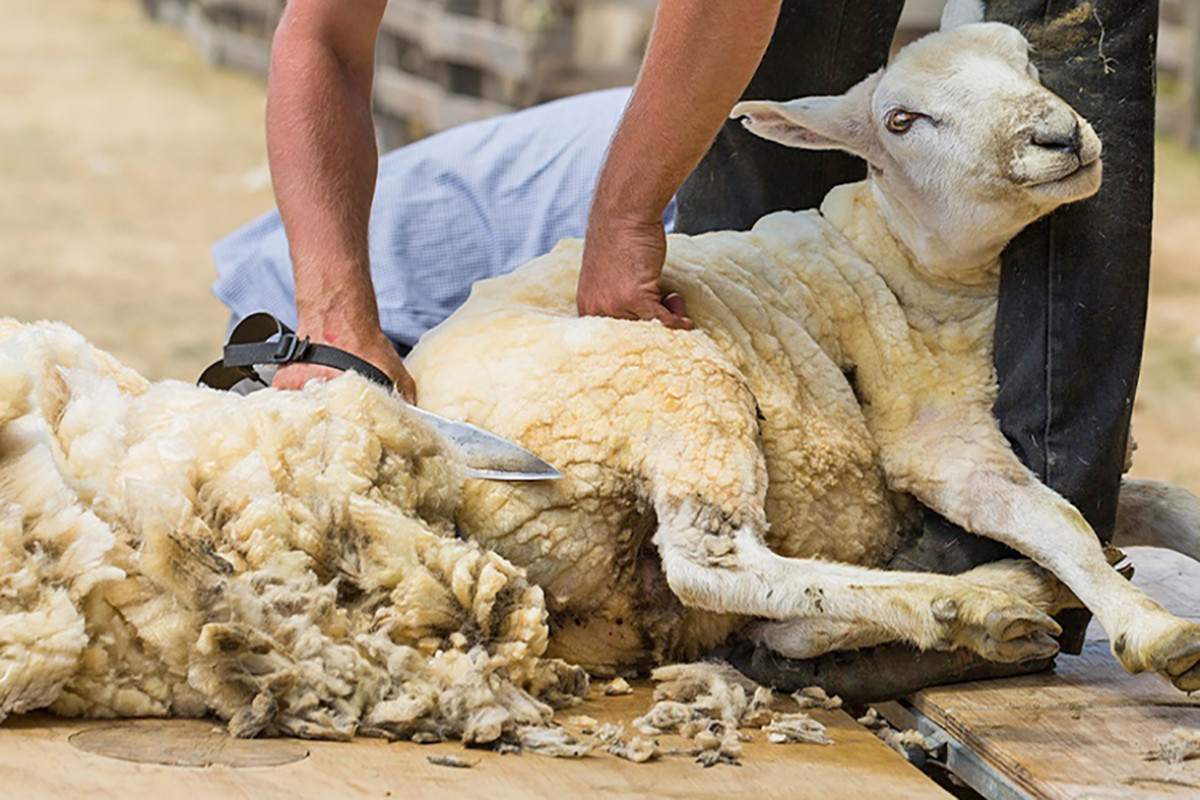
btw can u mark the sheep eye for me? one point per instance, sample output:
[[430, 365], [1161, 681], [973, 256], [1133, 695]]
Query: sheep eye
[[899, 121]]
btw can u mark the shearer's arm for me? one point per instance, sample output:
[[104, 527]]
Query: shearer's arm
[[701, 56], [321, 147]]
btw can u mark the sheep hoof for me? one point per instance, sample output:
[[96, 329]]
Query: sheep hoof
[[1173, 650], [1035, 646], [997, 626], [1188, 682], [1017, 622], [1181, 658]]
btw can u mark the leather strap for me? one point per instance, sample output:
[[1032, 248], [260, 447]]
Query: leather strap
[[262, 339]]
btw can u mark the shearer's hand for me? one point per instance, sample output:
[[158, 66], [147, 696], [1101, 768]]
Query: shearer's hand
[[622, 263], [373, 348]]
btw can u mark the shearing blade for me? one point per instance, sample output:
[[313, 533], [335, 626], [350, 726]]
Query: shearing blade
[[487, 455]]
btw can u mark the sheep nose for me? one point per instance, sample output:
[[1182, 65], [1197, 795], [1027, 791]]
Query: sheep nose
[[1062, 142]]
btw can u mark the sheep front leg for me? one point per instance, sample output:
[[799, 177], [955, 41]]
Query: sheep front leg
[[986, 491], [719, 562]]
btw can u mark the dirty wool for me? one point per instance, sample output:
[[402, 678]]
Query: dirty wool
[[1181, 744], [286, 561], [713, 704]]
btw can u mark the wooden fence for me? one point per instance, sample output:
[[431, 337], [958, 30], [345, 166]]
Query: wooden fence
[[233, 33], [1179, 70], [441, 63], [445, 62]]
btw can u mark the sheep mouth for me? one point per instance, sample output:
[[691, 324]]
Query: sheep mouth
[[1082, 180]]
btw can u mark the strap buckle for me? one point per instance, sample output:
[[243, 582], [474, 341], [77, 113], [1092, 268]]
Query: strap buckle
[[289, 348]]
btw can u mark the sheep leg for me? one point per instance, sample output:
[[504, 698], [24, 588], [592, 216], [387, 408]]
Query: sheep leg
[[988, 492], [809, 637], [720, 563], [1158, 515]]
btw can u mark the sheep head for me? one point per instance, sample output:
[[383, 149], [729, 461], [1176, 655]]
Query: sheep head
[[965, 145]]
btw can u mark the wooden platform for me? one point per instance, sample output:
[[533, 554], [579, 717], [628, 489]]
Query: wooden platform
[[38, 760], [1083, 731]]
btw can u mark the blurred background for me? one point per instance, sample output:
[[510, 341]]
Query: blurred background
[[131, 139]]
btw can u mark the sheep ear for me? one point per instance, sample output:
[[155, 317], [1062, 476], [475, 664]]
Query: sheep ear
[[962, 12], [816, 123]]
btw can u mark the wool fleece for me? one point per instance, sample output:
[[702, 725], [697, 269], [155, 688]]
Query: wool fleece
[[750, 419], [285, 560]]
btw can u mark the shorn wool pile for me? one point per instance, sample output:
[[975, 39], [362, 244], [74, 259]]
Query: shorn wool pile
[[287, 561]]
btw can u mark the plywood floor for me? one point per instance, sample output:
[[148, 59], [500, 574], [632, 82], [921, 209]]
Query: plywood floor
[[1084, 730], [38, 760], [1081, 732]]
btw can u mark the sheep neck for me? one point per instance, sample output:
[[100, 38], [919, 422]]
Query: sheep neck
[[957, 311]]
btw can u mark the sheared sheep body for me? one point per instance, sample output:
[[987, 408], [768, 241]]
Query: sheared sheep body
[[761, 464], [754, 415], [286, 560]]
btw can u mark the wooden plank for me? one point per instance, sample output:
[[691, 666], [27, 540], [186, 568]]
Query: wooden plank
[[921, 15], [266, 10], [408, 96], [463, 40], [1084, 730], [37, 760], [1174, 43], [223, 46], [1078, 752], [1190, 129]]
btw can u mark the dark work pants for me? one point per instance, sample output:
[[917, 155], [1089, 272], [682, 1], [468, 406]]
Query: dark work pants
[[1073, 287]]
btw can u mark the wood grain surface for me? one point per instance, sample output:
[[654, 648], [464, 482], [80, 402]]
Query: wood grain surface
[[1083, 731], [38, 760]]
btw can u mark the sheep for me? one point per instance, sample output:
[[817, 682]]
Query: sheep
[[763, 466], [286, 561]]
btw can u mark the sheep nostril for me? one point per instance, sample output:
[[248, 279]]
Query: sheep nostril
[[1063, 142]]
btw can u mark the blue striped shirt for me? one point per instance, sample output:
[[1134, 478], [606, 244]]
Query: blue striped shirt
[[469, 203]]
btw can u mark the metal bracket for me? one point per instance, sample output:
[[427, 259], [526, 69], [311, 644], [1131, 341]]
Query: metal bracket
[[964, 763]]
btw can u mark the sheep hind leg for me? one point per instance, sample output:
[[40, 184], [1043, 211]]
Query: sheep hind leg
[[1158, 515], [722, 564], [812, 636]]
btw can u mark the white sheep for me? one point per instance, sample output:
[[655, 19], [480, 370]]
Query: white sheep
[[760, 465]]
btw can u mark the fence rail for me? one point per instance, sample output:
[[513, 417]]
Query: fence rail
[[445, 62], [1179, 52], [438, 68]]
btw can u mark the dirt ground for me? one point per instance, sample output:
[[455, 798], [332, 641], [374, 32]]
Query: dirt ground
[[123, 156]]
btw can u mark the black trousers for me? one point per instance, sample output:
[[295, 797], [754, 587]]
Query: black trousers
[[1073, 287]]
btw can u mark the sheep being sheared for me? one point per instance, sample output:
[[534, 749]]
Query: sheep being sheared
[[759, 465], [285, 560]]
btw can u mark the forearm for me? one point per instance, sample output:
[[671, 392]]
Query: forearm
[[321, 147], [700, 57]]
